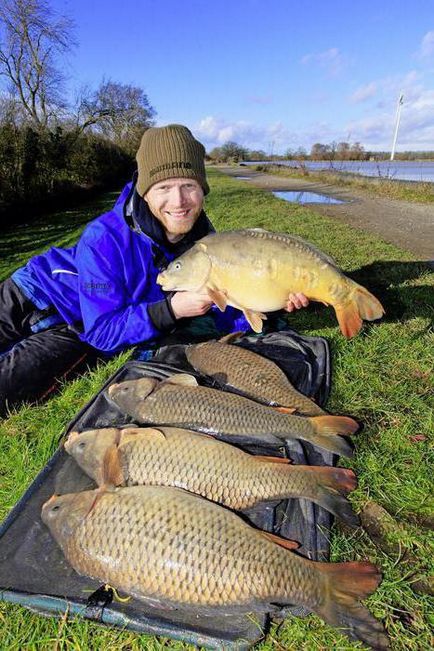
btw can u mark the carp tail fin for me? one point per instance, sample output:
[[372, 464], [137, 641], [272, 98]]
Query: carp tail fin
[[336, 504], [328, 490], [362, 305], [345, 585], [329, 432], [349, 319], [368, 305]]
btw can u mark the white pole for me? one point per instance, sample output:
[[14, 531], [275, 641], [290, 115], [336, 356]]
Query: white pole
[[398, 117]]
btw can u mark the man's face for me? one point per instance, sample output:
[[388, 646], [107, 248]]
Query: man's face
[[177, 204]]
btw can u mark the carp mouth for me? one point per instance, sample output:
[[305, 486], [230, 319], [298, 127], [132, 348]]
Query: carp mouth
[[112, 389], [161, 279], [72, 436]]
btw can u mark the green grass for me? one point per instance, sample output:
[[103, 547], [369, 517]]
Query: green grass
[[382, 377], [379, 186], [20, 242]]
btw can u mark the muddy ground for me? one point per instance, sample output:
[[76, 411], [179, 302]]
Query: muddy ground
[[406, 224]]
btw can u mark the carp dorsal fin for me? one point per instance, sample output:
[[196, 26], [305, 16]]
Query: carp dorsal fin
[[255, 319], [183, 379], [260, 457], [218, 297], [153, 433], [129, 430], [112, 474], [283, 542], [130, 433], [232, 336]]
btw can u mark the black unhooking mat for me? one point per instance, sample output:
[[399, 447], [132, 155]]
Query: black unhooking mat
[[34, 573]]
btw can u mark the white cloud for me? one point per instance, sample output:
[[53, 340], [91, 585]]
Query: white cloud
[[215, 131], [363, 93], [373, 126], [330, 60], [426, 48]]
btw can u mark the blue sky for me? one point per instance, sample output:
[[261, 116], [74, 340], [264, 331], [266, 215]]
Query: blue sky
[[269, 74]]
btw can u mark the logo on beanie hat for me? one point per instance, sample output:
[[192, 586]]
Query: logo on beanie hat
[[185, 165]]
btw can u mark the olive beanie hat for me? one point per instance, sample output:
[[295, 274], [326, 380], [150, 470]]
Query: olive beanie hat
[[169, 152]]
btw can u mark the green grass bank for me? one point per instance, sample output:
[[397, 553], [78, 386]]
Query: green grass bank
[[382, 377]]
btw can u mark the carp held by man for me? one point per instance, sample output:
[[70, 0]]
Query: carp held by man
[[174, 549], [180, 402], [255, 270], [222, 473], [256, 376]]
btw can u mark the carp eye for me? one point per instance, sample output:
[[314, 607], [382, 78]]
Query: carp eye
[[81, 445], [56, 508], [177, 266]]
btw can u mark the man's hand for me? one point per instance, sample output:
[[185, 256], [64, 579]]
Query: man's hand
[[190, 304], [296, 301]]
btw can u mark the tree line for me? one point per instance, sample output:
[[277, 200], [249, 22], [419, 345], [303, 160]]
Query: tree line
[[49, 145], [335, 151]]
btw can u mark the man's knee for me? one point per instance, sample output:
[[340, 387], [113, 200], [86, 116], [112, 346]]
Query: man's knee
[[32, 369]]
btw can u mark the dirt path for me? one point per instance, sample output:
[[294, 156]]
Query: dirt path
[[408, 225]]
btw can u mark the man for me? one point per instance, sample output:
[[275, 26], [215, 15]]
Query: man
[[101, 294]]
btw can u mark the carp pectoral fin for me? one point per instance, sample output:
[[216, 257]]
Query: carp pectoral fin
[[232, 336], [260, 457], [218, 297], [255, 319], [285, 410], [112, 474], [183, 379], [283, 542]]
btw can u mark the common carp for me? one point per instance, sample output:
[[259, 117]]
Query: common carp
[[256, 376], [174, 548], [222, 473], [180, 402], [255, 270]]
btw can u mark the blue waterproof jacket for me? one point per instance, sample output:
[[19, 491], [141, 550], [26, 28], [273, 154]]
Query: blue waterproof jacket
[[103, 285]]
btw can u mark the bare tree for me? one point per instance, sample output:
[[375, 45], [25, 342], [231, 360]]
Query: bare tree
[[32, 38], [233, 151], [121, 112]]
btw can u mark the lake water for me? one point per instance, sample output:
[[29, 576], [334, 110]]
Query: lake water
[[399, 170], [306, 197]]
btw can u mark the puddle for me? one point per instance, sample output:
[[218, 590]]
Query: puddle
[[243, 178], [306, 197]]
